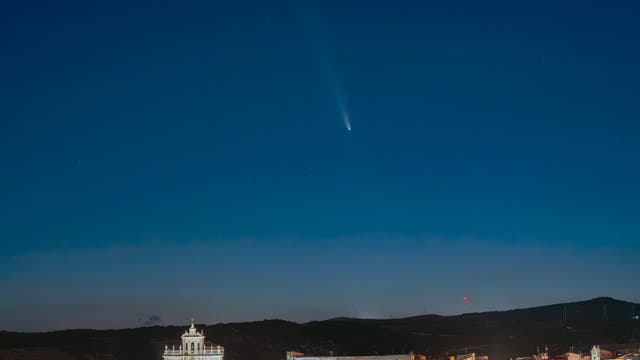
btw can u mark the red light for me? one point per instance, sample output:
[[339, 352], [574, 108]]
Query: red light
[[465, 298]]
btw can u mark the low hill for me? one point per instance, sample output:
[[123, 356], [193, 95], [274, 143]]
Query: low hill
[[500, 334]]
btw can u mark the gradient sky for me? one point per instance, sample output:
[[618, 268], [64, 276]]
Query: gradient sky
[[187, 159]]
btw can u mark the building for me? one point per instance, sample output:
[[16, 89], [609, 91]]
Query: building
[[193, 347], [630, 356], [595, 352], [600, 354], [469, 356], [292, 355], [538, 356], [577, 356]]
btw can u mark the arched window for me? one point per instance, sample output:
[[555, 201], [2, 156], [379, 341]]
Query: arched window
[[198, 346], [192, 346]]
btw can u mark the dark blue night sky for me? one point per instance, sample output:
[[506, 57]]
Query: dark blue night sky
[[187, 159]]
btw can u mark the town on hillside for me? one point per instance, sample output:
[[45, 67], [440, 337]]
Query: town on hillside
[[193, 346]]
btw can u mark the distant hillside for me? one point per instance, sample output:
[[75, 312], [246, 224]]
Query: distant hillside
[[500, 334]]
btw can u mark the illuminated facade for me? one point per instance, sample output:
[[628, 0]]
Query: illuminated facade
[[292, 355], [193, 347]]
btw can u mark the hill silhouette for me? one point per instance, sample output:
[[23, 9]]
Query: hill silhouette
[[500, 334]]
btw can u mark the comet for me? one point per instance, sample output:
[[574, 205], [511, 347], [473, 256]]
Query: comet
[[340, 103], [345, 118], [336, 91], [317, 39]]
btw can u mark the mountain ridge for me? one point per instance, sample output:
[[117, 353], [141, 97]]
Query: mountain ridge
[[500, 334]]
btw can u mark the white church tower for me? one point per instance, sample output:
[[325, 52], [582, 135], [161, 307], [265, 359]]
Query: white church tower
[[193, 347]]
